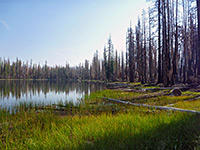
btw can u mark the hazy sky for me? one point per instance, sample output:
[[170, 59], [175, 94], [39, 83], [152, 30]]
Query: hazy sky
[[64, 30]]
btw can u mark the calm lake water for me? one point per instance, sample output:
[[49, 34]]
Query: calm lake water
[[12, 93]]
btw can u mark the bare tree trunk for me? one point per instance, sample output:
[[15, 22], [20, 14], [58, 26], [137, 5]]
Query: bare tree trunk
[[139, 51], [198, 15], [189, 44], [130, 46], [144, 50], [175, 61], [155, 62], [164, 43], [116, 66], [126, 68], [168, 44], [185, 67], [159, 43], [122, 70], [150, 49]]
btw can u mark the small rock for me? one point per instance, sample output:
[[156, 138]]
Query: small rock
[[176, 92]]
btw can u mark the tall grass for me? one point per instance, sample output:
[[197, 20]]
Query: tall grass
[[165, 100], [97, 124], [133, 130], [194, 105]]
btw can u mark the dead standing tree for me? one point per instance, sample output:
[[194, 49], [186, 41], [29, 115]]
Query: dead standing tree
[[130, 50]]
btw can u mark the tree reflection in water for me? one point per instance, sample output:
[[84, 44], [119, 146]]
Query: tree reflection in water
[[12, 92]]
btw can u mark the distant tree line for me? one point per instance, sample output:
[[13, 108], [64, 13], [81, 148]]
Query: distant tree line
[[164, 47], [28, 70]]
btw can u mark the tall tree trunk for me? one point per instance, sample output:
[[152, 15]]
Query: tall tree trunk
[[159, 43], [185, 46], [198, 15], [168, 59], [150, 49], [122, 69], [116, 66], [126, 67], [144, 50], [164, 43], [130, 46], [189, 44], [175, 61]]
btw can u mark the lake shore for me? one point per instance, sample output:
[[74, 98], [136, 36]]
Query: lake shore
[[100, 124]]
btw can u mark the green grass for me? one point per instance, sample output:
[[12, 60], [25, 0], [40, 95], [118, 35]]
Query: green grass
[[164, 100], [128, 96], [193, 105], [150, 87], [134, 83], [99, 124], [191, 93], [132, 130], [115, 94]]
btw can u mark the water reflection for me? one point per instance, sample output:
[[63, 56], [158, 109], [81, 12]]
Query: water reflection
[[47, 92]]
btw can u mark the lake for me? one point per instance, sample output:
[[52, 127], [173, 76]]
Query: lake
[[14, 92]]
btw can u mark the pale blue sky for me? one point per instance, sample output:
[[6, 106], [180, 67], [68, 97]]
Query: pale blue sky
[[64, 30]]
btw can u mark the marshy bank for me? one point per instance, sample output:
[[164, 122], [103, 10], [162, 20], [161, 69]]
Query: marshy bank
[[95, 123], [136, 128]]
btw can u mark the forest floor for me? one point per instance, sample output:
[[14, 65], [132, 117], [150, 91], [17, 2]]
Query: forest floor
[[98, 123]]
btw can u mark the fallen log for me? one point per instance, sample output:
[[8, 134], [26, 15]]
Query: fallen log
[[150, 106], [147, 96], [187, 100], [193, 99], [131, 90], [165, 88]]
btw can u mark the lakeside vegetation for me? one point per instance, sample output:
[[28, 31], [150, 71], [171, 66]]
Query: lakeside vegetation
[[195, 105], [139, 97], [133, 130], [99, 124]]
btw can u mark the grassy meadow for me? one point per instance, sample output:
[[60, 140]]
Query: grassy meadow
[[99, 124]]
